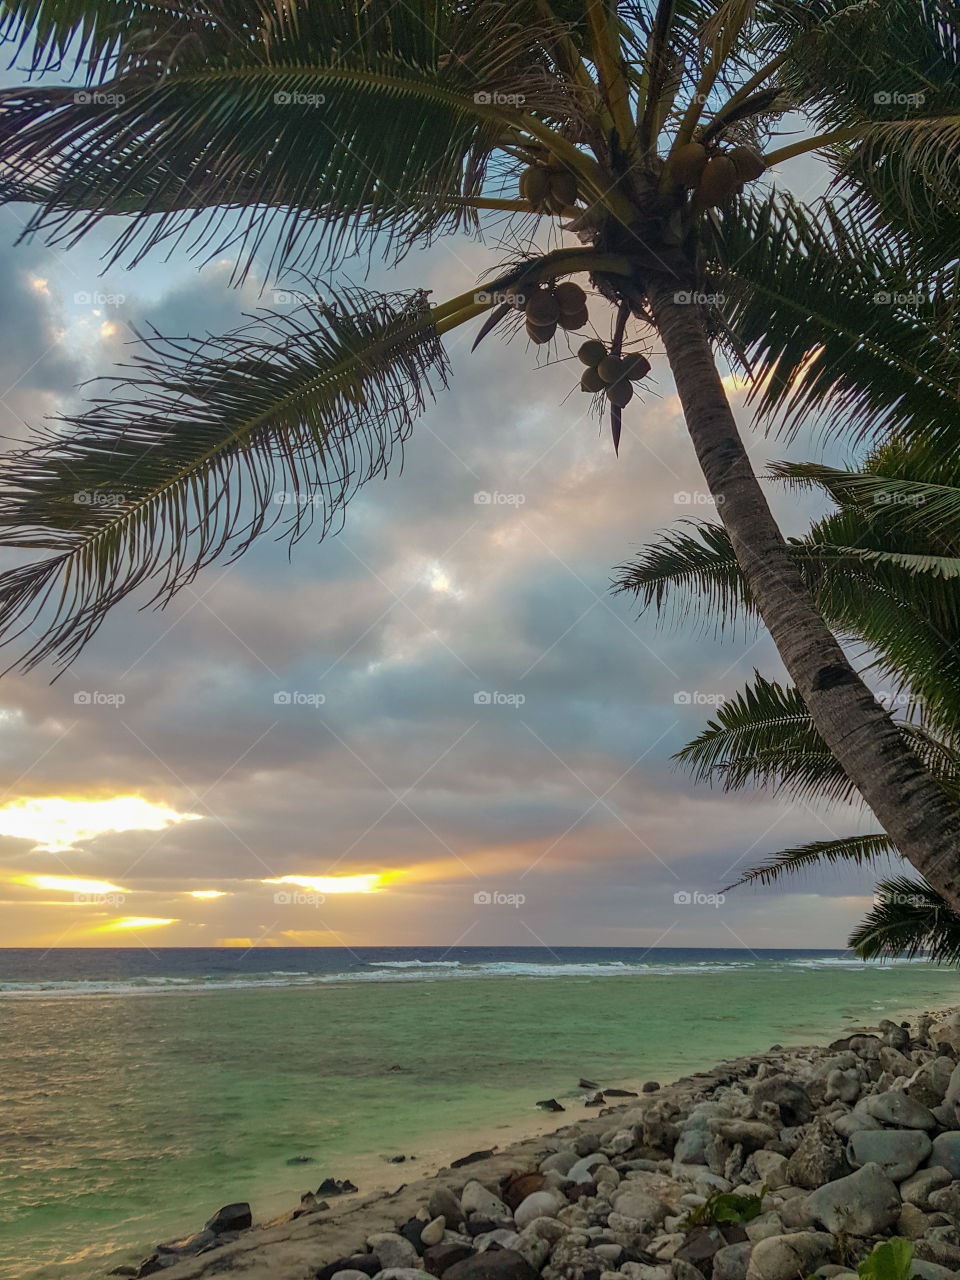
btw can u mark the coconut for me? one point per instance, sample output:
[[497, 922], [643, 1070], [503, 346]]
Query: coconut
[[591, 381], [573, 322], [611, 369], [563, 187], [592, 352], [535, 185], [542, 308], [719, 181], [687, 163], [570, 298], [540, 333], [620, 394], [637, 366], [516, 299], [748, 163]]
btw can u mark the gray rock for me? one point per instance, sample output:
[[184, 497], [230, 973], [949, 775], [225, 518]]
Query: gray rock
[[350, 1275], [842, 1086], [912, 1223], [898, 1151], [188, 1246], [640, 1206], [918, 1188], [731, 1262], [898, 1110], [819, 1156], [475, 1198], [232, 1217], [863, 1204], [952, 1092], [946, 1152], [559, 1162], [771, 1168], [946, 1200], [787, 1257], [432, 1233], [444, 1203], [790, 1097], [930, 1083], [855, 1121], [583, 1170], [763, 1227], [393, 1250], [931, 1270], [499, 1264], [895, 1062], [402, 1273], [539, 1204], [691, 1146]]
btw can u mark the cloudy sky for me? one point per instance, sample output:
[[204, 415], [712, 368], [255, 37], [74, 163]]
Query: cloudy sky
[[443, 701]]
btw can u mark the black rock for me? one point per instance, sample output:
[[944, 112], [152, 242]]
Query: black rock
[[498, 1264], [368, 1263], [651, 1086], [199, 1242], [588, 1084], [411, 1231], [440, 1257], [477, 1226], [619, 1093], [550, 1104], [334, 1187], [595, 1101], [397, 1159], [472, 1158], [232, 1217], [301, 1160], [150, 1266], [123, 1271], [699, 1249]]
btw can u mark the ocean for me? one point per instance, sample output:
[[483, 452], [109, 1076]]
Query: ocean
[[142, 1089]]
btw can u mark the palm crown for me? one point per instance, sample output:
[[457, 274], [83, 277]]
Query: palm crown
[[303, 133]]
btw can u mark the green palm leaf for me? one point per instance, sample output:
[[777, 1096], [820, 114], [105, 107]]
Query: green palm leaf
[[204, 446], [332, 129], [908, 918], [860, 850]]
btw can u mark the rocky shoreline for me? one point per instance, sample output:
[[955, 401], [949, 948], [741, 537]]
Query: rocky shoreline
[[775, 1166]]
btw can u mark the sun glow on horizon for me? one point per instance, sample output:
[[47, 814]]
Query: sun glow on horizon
[[133, 922], [69, 884], [207, 893], [369, 883], [56, 823]]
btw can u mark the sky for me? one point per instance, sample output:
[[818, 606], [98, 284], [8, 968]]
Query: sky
[[438, 727]]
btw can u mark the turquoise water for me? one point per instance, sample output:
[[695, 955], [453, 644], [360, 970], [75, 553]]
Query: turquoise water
[[129, 1117]]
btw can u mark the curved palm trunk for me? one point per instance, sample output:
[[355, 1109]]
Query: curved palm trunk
[[919, 818]]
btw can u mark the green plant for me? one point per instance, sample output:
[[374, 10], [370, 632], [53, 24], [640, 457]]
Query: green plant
[[891, 1260], [724, 1206]]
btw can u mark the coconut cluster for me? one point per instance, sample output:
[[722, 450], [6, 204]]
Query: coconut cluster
[[614, 375], [563, 305], [549, 189], [716, 176]]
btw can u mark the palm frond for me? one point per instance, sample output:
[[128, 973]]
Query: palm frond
[[837, 323], [908, 918], [307, 134], [698, 572], [203, 446], [860, 850]]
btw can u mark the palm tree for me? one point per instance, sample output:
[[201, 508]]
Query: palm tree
[[884, 568], [308, 131]]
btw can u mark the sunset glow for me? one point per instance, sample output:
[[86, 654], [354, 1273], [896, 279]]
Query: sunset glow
[[334, 884], [67, 884], [57, 823]]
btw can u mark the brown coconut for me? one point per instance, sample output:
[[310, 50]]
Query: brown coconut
[[591, 381], [749, 163], [542, 308], [611, 369], [540, 333], [570, 297], [592, 352], [637, 366], [620, 394], [719, 181], [687, 164], [573, 322], [563, 187]]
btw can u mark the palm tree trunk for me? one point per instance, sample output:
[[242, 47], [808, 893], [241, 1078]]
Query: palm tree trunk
[[920, 819]]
